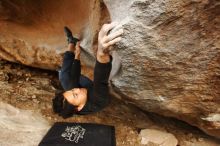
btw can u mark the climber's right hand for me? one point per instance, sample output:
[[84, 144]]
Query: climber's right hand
[[105, 40]]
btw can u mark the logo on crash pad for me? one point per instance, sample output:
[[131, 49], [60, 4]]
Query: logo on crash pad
[[73, 133]]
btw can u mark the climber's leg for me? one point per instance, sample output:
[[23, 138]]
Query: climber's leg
[[68, 59], [65, 72]]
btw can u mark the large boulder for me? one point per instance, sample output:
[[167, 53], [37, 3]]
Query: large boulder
[[169, 54]]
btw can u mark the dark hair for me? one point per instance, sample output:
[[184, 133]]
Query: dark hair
[[62, 106], [58, 101]]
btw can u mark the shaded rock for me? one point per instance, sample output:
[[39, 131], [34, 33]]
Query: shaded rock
[[157, 137], [198, 143], [20, 127], [170, 58]]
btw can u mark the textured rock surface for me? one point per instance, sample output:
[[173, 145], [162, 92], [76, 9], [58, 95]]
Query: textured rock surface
[[170, 52], [170, 58], [21, 127]]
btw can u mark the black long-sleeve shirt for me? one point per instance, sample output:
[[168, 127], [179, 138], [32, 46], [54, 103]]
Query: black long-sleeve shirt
[[98, 93]]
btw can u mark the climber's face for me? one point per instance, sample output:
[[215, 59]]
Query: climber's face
[[76, 96], [79, 93]]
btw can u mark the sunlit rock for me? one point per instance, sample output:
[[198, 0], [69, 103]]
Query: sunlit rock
[[21, 127], [157, 138]]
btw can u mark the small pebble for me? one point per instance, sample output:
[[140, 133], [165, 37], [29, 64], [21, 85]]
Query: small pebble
[[34, 96], [20, 82], [23, 99], [27, 79], [36, 101], [200, 139]]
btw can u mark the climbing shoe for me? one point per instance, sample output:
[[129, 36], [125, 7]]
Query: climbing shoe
[[70, 38]]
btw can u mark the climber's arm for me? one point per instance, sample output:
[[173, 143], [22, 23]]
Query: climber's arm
[[76, 66], [77, 51], [103, 64]]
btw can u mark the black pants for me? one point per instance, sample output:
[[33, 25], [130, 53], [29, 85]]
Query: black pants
[[70, 76]]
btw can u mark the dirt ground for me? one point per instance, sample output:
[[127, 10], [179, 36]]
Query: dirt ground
[[33, 89]]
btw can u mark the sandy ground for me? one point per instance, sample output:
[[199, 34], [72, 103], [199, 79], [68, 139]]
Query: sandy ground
[[33, 89]]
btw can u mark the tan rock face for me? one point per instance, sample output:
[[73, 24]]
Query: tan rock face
[[170, 52], [157, 137], [32, 31]]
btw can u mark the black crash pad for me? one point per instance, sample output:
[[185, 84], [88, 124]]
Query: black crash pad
[[79, 134]]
